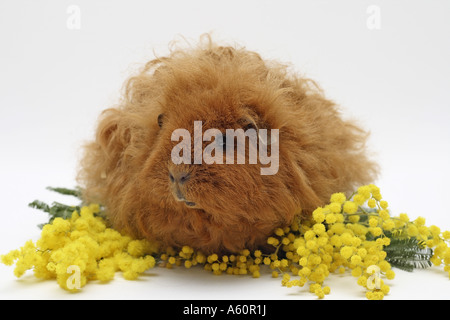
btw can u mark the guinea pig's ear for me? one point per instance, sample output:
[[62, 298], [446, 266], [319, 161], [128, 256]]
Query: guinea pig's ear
[[112, 138], [160, 120]]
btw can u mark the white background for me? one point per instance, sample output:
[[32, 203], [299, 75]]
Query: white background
[[54, 82]]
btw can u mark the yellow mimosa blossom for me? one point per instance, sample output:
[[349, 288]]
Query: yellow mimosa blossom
[[80, 249], [347, 236]]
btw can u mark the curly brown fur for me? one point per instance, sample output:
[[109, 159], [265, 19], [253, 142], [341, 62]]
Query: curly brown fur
[[127, 167]]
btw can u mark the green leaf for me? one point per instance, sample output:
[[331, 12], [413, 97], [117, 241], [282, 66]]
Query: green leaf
[[57, 210], [65, 191], [36, 204], [60, 210], [408, 254]]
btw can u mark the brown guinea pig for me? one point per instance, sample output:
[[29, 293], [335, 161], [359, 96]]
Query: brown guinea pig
[[135, 169]]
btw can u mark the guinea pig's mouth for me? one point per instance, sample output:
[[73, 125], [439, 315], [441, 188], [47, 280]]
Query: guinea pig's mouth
[[180, 198], [189, 204]]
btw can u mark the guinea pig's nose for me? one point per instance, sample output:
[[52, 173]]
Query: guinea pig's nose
[[179, 177]]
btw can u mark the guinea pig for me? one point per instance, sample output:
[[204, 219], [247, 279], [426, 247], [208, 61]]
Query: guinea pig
[[149, 166]]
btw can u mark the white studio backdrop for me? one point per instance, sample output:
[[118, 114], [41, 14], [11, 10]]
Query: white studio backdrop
[[386, 63]]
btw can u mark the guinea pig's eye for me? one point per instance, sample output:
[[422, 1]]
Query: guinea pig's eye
[[160, 120], [221, 141], [224, 142], [250, 125]]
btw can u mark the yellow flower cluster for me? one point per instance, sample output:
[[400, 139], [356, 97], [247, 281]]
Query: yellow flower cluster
[[80, 249], [335, 241], [431, 237], [347, 235], [234, 264]]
